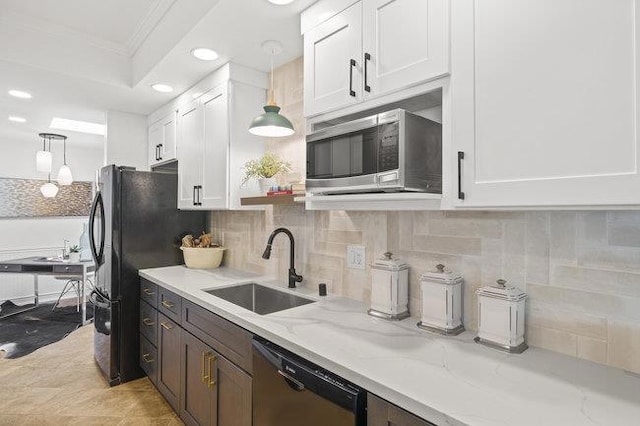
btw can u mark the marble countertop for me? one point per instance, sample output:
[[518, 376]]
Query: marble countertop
[[445, 380]]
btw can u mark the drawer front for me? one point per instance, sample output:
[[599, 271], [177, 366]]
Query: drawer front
[[149, 322], [170, 304], [149, 359], [10, 268], [228, 339], [149, 292], [68, 269]]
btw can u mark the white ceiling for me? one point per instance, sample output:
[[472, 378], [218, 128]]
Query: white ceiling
[[81, 58]]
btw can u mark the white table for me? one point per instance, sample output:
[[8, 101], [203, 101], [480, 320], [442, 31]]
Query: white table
[[38, 265]]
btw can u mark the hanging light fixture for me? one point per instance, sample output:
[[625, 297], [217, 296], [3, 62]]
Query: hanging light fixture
[[64, 174], [271, 124], [49, 190], [43, 158]]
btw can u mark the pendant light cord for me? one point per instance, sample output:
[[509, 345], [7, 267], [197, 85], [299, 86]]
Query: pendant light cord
[[272, 100], [64, 144]]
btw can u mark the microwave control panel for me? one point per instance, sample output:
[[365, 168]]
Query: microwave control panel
[[388, 151]]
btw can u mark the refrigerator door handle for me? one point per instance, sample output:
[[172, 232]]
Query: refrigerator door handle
[[98, 254]]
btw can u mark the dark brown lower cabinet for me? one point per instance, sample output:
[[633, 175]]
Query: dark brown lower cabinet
[[383, 413], [168, 369], [214, 391]]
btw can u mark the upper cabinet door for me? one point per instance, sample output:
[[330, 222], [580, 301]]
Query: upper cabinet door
[[154, 139], [215, 161], [405, 42], [189, 155], [544, 96], [333, 62], [169, 137]]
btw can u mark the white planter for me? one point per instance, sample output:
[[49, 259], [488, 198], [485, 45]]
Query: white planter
[[74, 257], [266, 184]]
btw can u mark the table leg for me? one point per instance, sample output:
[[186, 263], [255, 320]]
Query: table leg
[[84, 300], [36, 299]]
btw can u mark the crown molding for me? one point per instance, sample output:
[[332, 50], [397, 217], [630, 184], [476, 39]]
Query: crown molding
[[147, 24], [26, 22]]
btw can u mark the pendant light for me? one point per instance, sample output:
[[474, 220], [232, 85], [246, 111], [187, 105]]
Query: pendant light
[[271, 124], [49, 190], [43, 158], [64, 174]]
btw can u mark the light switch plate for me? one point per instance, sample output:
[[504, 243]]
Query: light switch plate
[[355, 257]]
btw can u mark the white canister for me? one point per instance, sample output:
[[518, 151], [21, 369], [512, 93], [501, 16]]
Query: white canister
[[501, 322], [389, 288], [441, 301]]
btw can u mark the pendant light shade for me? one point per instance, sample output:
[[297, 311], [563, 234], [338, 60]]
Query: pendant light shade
[[64, 175], [49, 190], [43, 162], [271, 124]]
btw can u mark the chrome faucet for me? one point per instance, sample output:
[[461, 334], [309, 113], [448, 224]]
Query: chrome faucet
[[293, 277]]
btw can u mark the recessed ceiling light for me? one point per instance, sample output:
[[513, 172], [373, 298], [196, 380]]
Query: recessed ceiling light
[[77, 126], [280, 2], [17, 119], [20, 94], [164, 88], [204, 54]]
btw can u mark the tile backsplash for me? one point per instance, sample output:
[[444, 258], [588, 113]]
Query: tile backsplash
[[581, 269]]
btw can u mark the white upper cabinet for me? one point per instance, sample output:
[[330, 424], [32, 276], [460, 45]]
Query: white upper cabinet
[[162, 140], [214, 143], [372, 48], [215, 153], [332, 52], [544, 96], [190, 122], [405, 42]]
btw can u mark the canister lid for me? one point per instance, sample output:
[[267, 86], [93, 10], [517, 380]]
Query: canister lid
[[389, 262], [441, 275], [501, 290]]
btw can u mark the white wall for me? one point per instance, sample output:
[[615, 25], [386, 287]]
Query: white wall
[[126, 140], [42, 236]]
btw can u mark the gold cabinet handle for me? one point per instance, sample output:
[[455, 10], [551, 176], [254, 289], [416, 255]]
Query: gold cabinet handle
[[148, 321], [166, 326], [148, 292], [167, 305], [203, 372], [211, 383], [148, 358]]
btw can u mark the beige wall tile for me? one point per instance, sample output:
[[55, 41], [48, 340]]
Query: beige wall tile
[[450, 245], [624, 228], [624, 345], [592, 349], [553, 340], [537, 248], [592, 228], [550, 316], [597, 280], [562, 231]]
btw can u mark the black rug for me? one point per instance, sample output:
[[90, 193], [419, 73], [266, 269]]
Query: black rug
[[25, 332]]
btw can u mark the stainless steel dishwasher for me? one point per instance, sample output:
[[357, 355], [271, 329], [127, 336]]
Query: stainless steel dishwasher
[[288, 390]]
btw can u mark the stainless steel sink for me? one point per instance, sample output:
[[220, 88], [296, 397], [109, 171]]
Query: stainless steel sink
[[259, 299]]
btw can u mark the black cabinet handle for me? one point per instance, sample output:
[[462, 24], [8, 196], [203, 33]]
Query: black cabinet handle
[[194, 195], [352, 63], [156, 152], [460, 158], [367, 58], [160, 151], [199, 194]]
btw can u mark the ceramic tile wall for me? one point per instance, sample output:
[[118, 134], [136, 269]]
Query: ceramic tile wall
[[580, 269]]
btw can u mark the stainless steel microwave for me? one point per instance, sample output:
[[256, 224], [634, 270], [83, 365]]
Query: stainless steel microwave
[[388, 152]]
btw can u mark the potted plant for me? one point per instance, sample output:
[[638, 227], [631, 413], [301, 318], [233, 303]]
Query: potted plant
[[264, 170], [74, 254]]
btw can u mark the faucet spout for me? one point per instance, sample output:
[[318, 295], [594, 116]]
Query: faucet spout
[[293, 276]]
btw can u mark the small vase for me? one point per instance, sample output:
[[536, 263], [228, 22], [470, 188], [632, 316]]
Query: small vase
[[74, 257], [266, 184]]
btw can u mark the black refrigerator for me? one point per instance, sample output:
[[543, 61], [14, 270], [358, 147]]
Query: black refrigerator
[[134, 224]]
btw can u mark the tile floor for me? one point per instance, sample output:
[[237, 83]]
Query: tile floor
[[60, 384]]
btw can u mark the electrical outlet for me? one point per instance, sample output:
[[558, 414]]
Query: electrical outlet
[[355, 257]]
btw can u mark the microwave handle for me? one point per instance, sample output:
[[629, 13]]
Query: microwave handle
[[342, 129]]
